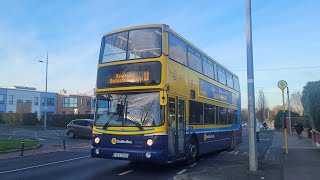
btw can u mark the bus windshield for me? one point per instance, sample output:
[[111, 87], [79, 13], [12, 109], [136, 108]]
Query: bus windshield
[[132, 44], [139, 110]]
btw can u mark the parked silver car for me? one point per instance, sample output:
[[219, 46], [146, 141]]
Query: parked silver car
[[80, 128]]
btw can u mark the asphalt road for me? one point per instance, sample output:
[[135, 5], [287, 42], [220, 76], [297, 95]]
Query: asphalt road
[[77, 164]]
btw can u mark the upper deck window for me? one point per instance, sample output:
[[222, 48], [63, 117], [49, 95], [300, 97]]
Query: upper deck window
[[221, 75], [229, 80], [132, 44], [177, 50], [194, 60], [236, 83], [207, 67]]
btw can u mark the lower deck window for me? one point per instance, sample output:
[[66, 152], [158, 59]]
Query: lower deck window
[[196, 112]]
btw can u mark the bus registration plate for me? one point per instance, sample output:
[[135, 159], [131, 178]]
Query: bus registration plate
[[120, 155]]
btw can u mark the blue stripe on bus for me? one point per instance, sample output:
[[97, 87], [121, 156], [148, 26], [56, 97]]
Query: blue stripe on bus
[[126, 130], [233, 127]]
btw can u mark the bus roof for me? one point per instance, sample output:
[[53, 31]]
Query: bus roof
[[166, 28]]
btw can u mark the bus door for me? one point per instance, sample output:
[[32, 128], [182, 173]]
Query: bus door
[[176, 127]]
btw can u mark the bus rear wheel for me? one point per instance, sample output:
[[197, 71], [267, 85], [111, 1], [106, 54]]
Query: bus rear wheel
[[192, 151]]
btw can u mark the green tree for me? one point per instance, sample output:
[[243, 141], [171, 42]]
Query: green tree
[[311, 103], [278, 124]]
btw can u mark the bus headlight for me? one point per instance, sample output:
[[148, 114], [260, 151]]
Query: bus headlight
[[149, 142], [97, 140]]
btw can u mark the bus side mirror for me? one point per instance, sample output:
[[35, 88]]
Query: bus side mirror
[[163, 98]]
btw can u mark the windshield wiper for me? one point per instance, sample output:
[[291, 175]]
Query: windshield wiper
[[135, 122]]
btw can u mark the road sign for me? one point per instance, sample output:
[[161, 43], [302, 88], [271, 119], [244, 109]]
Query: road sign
[[282, 84]]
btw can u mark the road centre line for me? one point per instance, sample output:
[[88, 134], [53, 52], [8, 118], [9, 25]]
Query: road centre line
[[193, 164], [41, 165], [182, 171], [126, 172]]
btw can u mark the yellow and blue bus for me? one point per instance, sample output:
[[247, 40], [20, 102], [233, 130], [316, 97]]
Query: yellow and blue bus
[[161, 99]]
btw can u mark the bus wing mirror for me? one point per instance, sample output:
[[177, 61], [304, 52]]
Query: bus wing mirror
[[163, 98]]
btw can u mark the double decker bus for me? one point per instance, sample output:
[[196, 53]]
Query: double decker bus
[[161, 99]]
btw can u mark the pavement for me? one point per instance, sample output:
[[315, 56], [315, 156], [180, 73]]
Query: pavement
[[302, 162], [50, 140]]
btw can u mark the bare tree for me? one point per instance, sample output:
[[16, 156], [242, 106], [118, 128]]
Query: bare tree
[[244, 115], [261, 105], [295, 103]]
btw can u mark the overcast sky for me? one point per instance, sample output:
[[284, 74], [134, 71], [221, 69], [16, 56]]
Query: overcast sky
[[285, 35]]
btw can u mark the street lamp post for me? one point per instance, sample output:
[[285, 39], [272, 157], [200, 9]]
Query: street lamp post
[[45, 96], [253, 162]]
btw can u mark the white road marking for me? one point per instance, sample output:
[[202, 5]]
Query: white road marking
[[121, 174], [224, 152], [14, 132], [236, 152], [193, 164], [244, 153], [231, 152], [182, 171], [40, 139], [41, 165]]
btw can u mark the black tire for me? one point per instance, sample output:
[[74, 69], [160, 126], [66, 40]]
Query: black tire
[[71, 135], [192, 151], [232, 143]]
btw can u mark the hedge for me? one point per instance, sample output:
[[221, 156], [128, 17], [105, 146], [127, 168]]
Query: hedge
[[62, 120], [18, 118], [1, 119]]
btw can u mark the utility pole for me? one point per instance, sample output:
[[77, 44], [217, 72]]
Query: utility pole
[[289, 110], [46, 101], [251, 99], [45, 96]]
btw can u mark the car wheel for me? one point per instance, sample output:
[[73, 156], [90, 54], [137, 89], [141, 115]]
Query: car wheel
[[71, 134]]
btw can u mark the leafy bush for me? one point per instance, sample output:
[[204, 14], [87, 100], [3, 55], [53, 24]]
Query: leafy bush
[[278, 124], [311, 103], [304, 120], [18, 119], [12, 118], [62, 120], [29, 119], [1, 119]]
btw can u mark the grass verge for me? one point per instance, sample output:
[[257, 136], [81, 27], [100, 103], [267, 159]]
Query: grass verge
[[12, 144]]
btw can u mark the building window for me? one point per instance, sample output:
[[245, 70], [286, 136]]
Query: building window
[[209, 114], [10, 99], [50, 102], [36, 101], [1, 99], [70, 102], [81, 101], [196, 112], [19, 101], [43, 101], [28, 101]]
